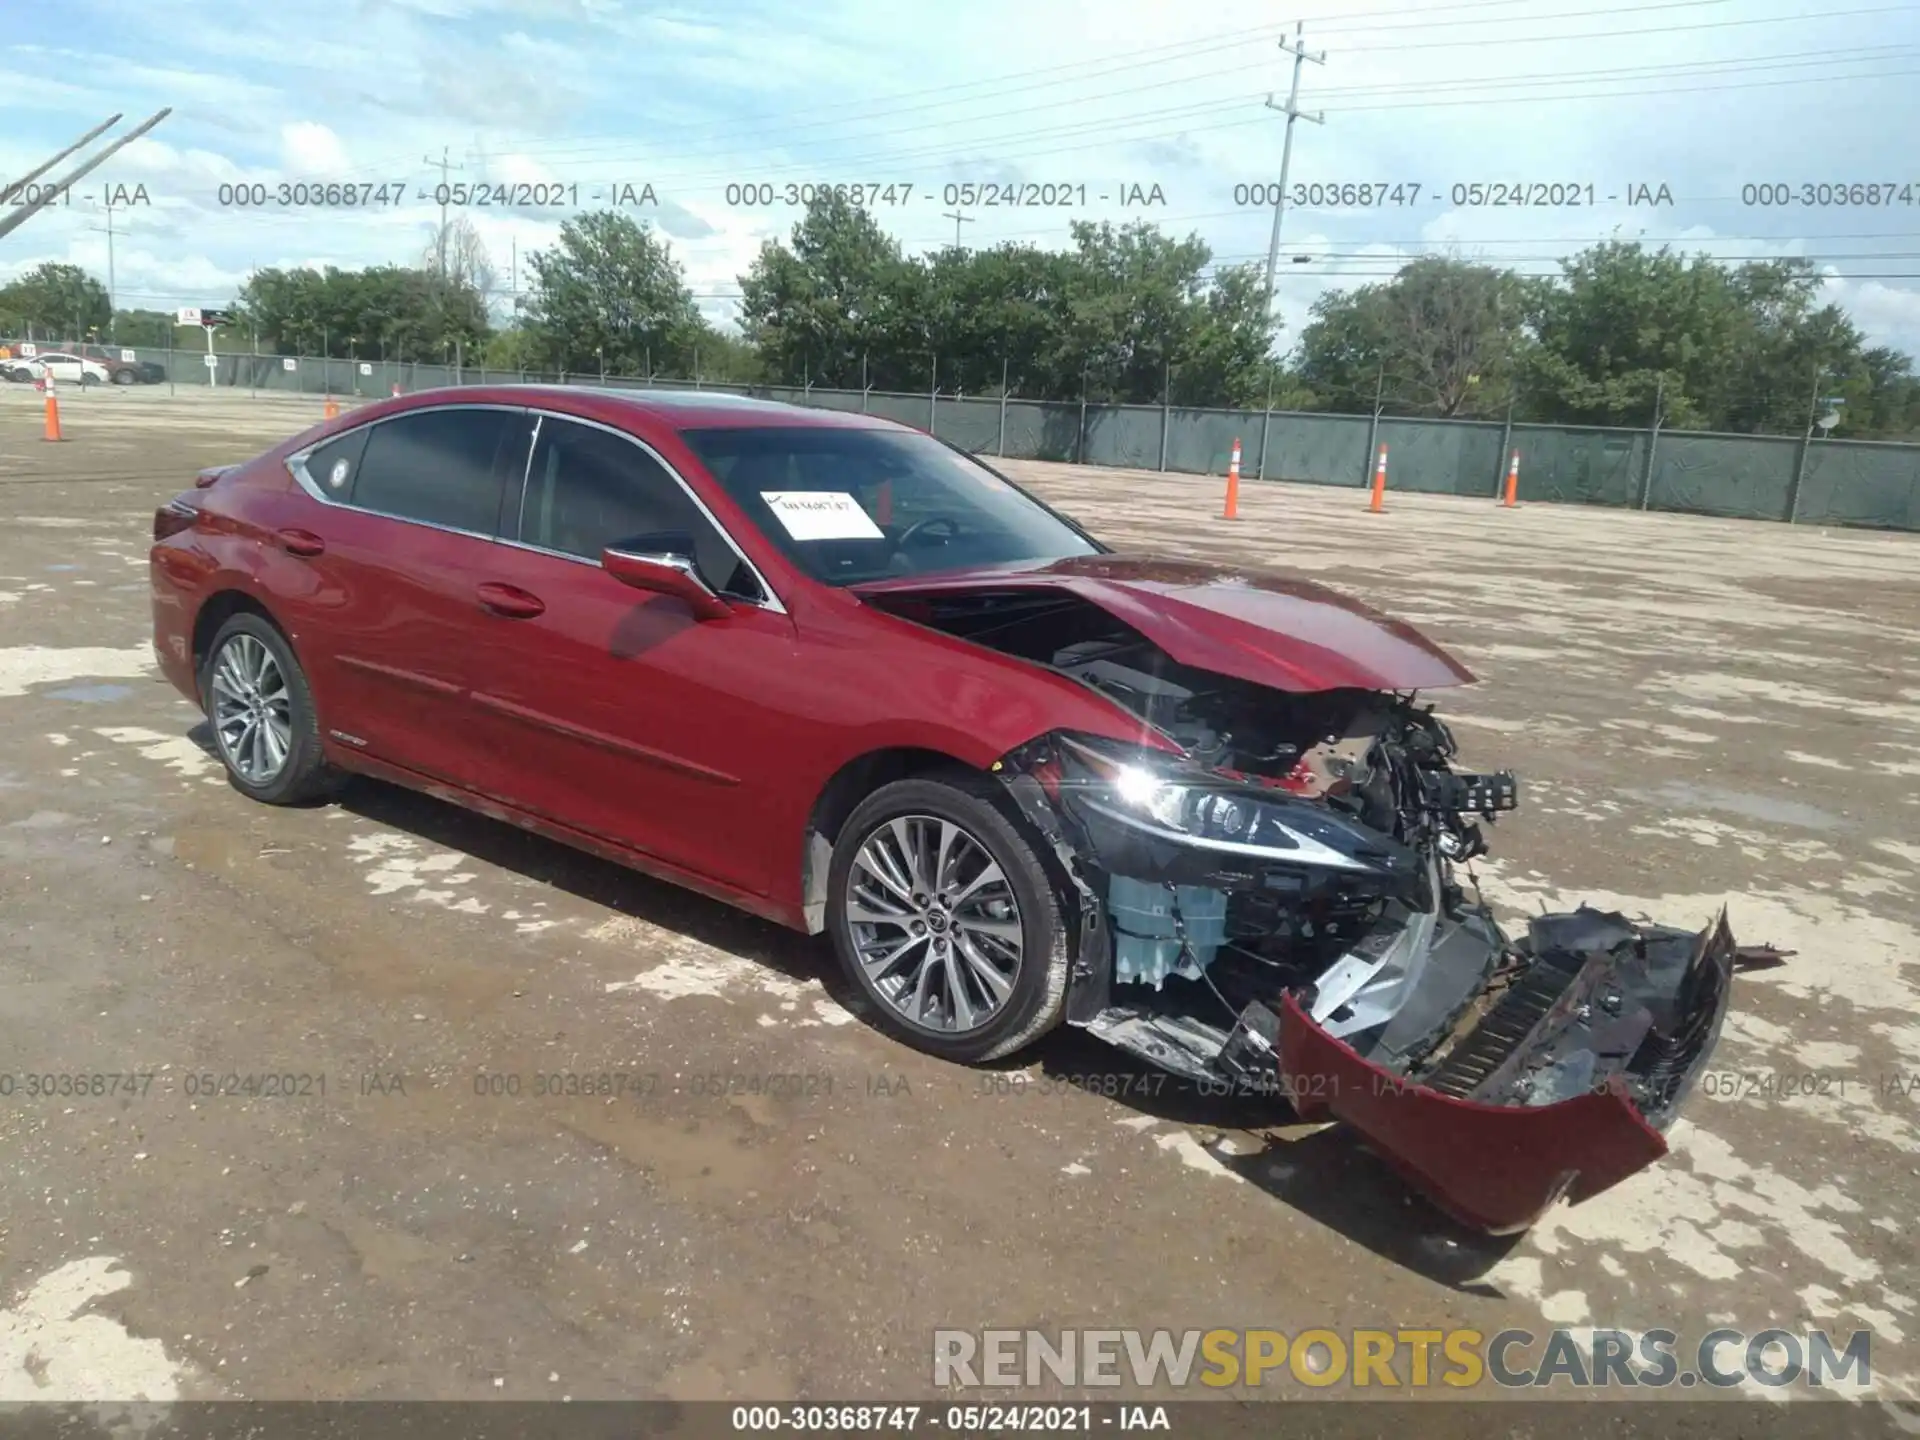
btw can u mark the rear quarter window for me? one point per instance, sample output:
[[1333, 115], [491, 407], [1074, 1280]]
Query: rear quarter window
[[336, 464]]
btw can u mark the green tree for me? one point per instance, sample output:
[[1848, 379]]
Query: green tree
[[1132, 313], [510, 349], [55, 301], [1443, 337], [610, 294], [1889, 406], [837, 299], [998, 309], [1627, 327], [392, 312], [727, 359], [153, 329], [1740, 348], [1791, 351]]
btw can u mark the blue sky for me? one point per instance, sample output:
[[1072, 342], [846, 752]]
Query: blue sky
[[1703, 97]]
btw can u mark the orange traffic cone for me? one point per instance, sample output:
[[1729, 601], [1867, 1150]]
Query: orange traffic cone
[[332, 411], [1513, 482], [1232, 512], [53, 419], [1378, 504]]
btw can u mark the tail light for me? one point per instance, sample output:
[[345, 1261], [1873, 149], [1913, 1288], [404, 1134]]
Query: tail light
[[172, 518]]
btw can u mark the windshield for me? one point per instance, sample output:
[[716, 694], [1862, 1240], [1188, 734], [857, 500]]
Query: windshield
[[851, 505]]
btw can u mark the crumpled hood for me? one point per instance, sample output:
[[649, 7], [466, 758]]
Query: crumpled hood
[[1256, 624]]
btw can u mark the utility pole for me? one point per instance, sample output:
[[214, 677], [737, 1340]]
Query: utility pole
[[443, 165], [1293, 112], [1806, 444], [113, 305], [958, 219], [1653, 437]]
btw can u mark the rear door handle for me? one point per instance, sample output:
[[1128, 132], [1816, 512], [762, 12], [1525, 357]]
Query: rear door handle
[[511, 601], [300, 542]]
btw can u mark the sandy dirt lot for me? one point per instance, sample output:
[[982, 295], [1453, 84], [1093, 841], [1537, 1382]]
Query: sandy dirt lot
[[1701, 712]]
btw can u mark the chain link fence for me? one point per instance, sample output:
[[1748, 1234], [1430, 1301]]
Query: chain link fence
[[1802, 479]]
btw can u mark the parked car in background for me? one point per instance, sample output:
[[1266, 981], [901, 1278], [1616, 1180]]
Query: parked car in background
[[121, 370], [66, 369], [81, 364]]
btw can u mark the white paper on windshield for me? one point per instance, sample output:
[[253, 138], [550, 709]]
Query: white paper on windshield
[[821, 515]]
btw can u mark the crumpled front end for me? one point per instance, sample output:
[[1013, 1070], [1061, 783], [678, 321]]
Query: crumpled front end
[[1280, 911], [1561, 1087]]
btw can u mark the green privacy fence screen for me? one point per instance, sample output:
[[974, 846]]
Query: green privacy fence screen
[[1755, 477]]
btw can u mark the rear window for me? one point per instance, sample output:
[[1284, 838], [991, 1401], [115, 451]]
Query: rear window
[[863, 504]]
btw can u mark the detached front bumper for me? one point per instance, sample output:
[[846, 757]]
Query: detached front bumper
[[1560, 1089]]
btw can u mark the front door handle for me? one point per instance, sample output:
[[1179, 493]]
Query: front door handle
[[511, 601], [300, 542]]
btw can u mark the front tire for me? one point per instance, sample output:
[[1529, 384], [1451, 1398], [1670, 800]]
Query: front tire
[[123, 377], [265, 728], [945, 918]]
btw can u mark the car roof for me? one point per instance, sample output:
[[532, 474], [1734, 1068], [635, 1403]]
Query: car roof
[[677, 409]]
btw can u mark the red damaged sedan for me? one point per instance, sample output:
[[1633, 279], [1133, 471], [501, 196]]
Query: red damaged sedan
[[833, 671]]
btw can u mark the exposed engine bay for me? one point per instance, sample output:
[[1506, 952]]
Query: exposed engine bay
[[1281, 908]]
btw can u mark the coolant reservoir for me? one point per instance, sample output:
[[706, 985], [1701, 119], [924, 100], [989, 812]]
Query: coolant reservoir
[[1147, 938]]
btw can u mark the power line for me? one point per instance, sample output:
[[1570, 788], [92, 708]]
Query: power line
[[1660, 30], [1130, 91], [1115, 130], [754, 127], [1106, 128], [1382, 267], [1466, 84], [654, 160]]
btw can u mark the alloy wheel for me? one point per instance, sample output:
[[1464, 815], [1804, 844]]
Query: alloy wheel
[[252, 710], [934, 923]]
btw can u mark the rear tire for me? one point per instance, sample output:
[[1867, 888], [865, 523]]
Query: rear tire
[[973, 1000], [265, 728], [123, 377]]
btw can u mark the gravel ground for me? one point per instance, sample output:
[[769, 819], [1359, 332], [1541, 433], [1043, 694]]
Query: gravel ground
[[786, 1204]]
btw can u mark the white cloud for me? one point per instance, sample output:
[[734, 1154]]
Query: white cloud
[[1886, 314], [308, 148]]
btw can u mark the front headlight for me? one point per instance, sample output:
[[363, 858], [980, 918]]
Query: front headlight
[[1146, 791]]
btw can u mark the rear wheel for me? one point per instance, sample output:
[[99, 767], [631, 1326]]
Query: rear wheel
[[123, 377], [945, 918], [264, 724]]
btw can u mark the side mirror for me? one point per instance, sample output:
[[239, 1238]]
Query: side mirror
[[665, 567]]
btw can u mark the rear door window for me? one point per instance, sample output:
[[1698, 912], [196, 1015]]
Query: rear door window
[[442, 467]]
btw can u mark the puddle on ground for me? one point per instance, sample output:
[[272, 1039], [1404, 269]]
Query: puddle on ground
[[62, 567], [1740, 802], [92, 694]]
